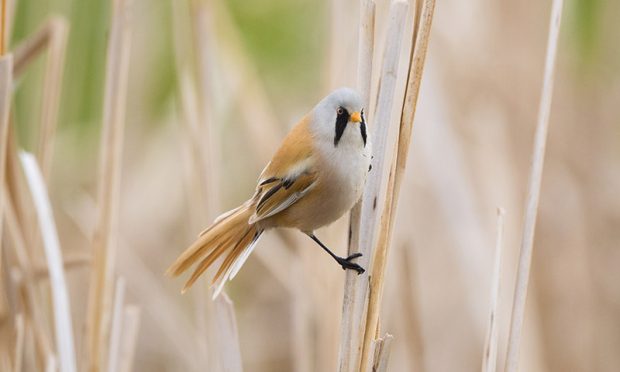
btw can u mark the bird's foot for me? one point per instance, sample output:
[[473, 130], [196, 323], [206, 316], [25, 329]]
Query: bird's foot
[[347, 264]]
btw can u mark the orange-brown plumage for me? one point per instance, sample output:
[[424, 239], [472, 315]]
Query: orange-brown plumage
[[316, 175]]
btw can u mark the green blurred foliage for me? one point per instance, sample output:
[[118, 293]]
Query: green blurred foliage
[[584, 32], [82, 91], [286, 43], [281, 36]]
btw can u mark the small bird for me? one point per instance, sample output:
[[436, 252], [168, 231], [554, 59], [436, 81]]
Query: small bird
[[317, 175]]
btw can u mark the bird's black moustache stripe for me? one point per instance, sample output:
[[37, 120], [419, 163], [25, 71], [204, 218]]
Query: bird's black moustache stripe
[[363, 128], [342, 119]]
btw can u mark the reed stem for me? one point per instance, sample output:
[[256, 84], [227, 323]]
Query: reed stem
[[533, 192]]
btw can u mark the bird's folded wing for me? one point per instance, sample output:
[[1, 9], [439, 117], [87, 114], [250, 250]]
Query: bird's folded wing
[[276, 194]]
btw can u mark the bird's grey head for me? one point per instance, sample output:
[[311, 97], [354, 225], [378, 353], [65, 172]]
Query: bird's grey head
[[341, 113]]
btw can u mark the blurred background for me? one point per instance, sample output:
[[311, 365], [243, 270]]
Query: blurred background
[[267, 64]]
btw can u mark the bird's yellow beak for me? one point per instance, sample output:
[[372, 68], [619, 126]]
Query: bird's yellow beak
[[356, 117]]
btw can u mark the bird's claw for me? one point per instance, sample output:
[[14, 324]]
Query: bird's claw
[[347, 264]]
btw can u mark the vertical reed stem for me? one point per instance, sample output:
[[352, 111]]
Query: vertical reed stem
[[356, 286], [533, 193], [489, 358], [6, 87], [419, 47], [105, 237]]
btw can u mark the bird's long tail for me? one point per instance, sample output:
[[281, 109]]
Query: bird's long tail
[[230, 236]]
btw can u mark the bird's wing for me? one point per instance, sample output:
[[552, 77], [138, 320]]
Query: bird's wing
[[288, 176], [281, 193]]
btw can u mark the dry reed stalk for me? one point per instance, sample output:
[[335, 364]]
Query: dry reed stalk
[[3, 27], [533, 192], [419, 48], [41, 272], [203, 180], [51, 245], [301, 332], [131, 324], [227, 335], [364, 80], [176, 329], [489, 357], [375, 294], [117, 325], [6, 88], [52, 85], [105, 236], [19, 342], [356, 286], [51, 363], [6, 84], [202, 28], [33, 309], [411, 307], [381, 353], [247, 89], [26, 51], [341, 30]]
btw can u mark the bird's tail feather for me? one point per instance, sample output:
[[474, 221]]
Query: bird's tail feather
[[230, 236]]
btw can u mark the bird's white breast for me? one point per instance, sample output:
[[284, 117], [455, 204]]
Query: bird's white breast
[[343, 173]]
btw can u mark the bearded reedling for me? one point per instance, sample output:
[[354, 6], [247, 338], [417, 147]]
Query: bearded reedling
[[317, 175]]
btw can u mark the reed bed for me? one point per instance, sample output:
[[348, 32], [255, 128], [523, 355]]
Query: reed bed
[[127, 126]]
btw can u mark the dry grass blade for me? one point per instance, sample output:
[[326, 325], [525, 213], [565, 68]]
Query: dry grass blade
[[381, 355], [227, 335], [51, 244], [356, 286], [417, 59], [533, 192], [59, 30], [364, 79], [26, 51], [207, 148], [41, 272], [6, 87], [33, 309], [117, 325], [3, 27], [51, 363], [366, 50], [489, 358], [131, 325], [19, 343], [104, 240], [419, 48]]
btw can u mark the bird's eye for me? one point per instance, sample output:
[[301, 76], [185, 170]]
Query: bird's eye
[[340, 111]]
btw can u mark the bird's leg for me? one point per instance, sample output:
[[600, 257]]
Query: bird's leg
[[344, 262]]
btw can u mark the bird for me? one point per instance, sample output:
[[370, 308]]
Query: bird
[[317, 175]]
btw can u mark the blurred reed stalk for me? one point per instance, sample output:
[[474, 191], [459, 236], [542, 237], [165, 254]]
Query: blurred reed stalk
[[58, 31], [489, 356], [364, 80], [51, 245], [533, 191], [216, 333], [356, 286], [117, 325], [13, 205], [6, 87], [380, 350], [129, 337], [53, 32], [105, 239]]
